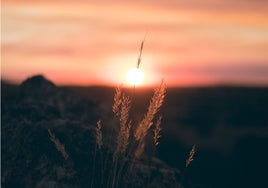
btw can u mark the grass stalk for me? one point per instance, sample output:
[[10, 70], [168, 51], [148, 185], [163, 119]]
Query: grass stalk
[[98, 145], [59, 146]]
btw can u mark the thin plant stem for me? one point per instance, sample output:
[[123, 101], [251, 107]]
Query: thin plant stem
[[93, 168]]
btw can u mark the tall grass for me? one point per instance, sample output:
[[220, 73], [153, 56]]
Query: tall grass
[[157, 131], [125, 151], [129, 142], [98, 144], [112, 167], [146, 123]]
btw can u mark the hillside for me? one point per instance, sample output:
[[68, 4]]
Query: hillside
[[229, 125]]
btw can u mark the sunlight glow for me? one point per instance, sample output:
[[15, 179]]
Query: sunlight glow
[[134, 76]]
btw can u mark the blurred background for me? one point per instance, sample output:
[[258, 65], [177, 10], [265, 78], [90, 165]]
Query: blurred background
[[212, 55], [87, 42]]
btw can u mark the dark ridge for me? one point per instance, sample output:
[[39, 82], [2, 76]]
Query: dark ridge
[[37, 81], [37, 85]]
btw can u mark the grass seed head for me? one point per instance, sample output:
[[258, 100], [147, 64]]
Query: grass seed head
[[99, 135], [191, 156], [59, 146]]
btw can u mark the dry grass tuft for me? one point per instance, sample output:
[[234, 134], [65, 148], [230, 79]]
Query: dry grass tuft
[[122, 140], [140, 149], [191, 156], [157, 131], [99, 135], [117, 101], [59, 146], [146, 123], [154, 106], [119, 162]]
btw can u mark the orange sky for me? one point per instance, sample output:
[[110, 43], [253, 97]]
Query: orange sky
[[87, 42]]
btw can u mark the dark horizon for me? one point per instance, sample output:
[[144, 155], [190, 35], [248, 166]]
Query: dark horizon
[[227, 124], [219, 84]]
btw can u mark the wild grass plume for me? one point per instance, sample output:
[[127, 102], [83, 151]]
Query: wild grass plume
[[139, 58], [117, 101], [99, 135], [191, 156], [59, 146], [116, 162], [157, 131], [154, 106], [124, 130]]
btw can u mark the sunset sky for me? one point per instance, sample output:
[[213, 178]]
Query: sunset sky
[[95, 42]]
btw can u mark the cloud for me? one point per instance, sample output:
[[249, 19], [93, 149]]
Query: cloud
[[179, 32]]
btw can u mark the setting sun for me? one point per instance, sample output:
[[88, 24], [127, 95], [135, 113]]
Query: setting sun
[[134, 76]]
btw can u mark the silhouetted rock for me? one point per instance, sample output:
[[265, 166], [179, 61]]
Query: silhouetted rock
[[38, 81], [37, 85]]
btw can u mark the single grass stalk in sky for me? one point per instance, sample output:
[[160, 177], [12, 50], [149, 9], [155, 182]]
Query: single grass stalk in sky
[[137, 72], [139, 59], [141, 48]]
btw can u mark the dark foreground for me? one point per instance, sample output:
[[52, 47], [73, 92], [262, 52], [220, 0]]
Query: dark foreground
[[229, 126]]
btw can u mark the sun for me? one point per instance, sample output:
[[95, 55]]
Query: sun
[[134, 76]]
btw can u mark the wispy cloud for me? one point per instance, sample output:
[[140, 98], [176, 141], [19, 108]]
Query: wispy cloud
[[89, 36]]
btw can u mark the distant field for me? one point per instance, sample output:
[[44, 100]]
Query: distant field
[[229, 125]]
